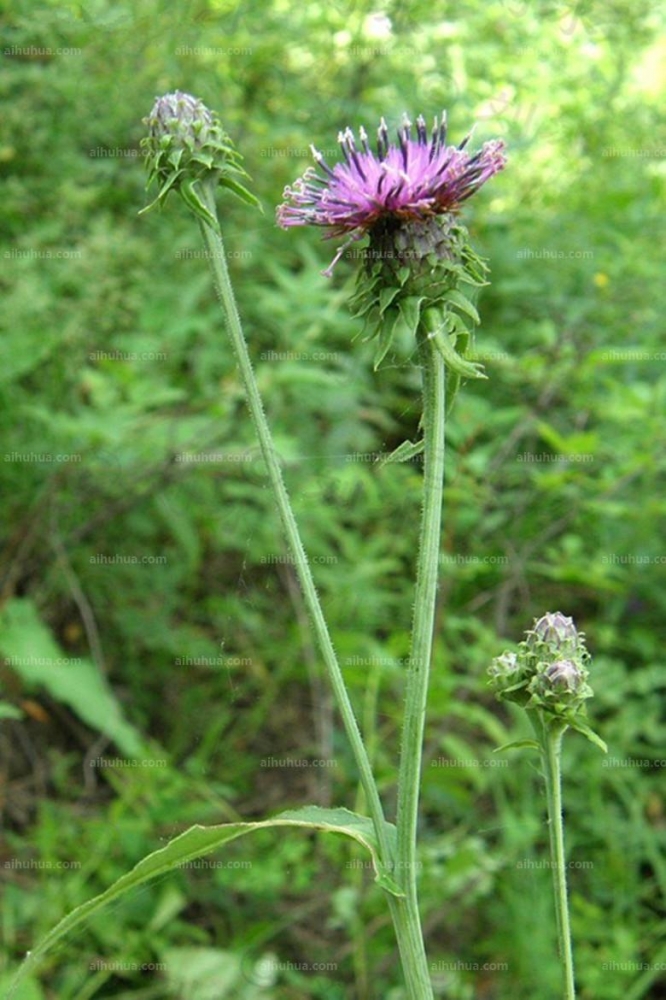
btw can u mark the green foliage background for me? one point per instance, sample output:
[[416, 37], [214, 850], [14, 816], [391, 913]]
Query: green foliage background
[[125, 434]]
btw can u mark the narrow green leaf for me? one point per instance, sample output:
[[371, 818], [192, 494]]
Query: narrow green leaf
[[518, 745], [464, 368], [386, 332], [585, 730], [410, 308], [241, 192], [386, 297], [404, 452], [201, 840], [462, 303]]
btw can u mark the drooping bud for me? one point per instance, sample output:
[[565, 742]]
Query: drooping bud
[[186, 146]]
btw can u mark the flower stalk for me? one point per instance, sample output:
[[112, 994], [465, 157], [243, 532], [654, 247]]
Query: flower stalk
[[214, 243], [548, 678], [409, 780]]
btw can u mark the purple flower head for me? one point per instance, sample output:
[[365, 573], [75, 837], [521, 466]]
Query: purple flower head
[[411, 181]]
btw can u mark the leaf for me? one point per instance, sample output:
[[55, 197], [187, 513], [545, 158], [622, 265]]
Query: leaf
[[461, 302], [404, 452], [34, 655], [386, 331], [585, 730], [518, 745], [410, 307], [452, 359], [200, 840], [386, 297]]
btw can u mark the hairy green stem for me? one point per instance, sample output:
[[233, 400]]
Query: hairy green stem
[[215, 246], [551, 746], [409, 781]]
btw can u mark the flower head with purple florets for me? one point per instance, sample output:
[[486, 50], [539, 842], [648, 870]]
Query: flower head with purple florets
[[408, 182]]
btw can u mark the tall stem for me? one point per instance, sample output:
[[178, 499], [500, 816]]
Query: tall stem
[[551, 743], [225, 293], [434, 416]]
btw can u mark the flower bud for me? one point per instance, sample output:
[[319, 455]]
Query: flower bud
[[508, 678], [186, 145], [555, 630], [559, 687]]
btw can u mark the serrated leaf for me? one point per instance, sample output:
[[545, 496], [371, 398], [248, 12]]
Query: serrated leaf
[[201, 840]]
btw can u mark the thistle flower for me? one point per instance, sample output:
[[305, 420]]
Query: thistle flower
[[412, 181], [405, 198]]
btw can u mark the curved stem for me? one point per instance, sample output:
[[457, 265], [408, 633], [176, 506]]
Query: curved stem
[[434, 417], [225, 293], [551, 743]]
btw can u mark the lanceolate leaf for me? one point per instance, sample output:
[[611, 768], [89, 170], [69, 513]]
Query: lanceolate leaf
[[201, 840]]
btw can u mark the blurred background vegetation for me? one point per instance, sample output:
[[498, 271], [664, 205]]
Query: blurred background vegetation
[[149, 612]]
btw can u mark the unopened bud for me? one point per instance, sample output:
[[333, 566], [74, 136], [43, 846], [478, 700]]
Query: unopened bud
[[186, 146], [554, 630]]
